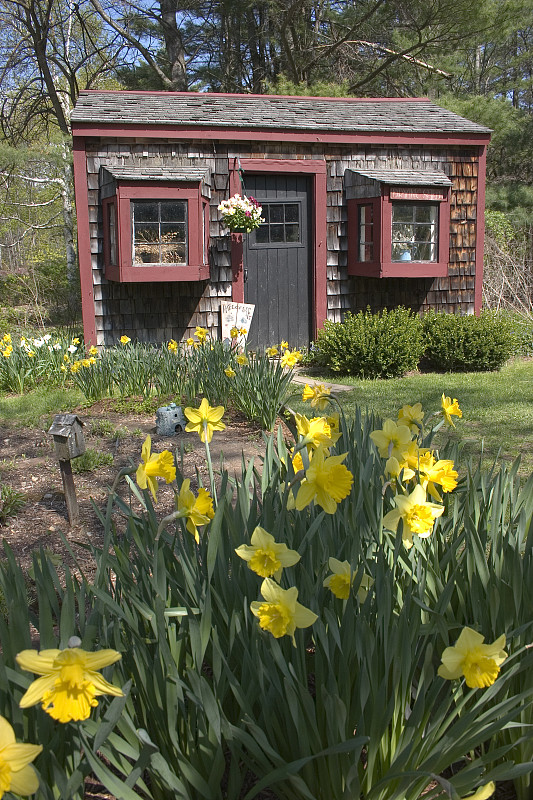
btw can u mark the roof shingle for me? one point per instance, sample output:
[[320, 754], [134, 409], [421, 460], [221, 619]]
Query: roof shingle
[[270, 112]]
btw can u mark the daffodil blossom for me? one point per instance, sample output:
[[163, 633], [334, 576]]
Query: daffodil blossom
[[416, 513], [265, 556], [411, 416], [281, 613], [154, 465], [315, 431], [392, 439], [16, 773], [272, 351], [204, 420], [124, 340], [197, 510], [327, 481], [229, 372], [318, 394], [69, 683], [341, 580], [450, 408], [439, 473], [479, 663]]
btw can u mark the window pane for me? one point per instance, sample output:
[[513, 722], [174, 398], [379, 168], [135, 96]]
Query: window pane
[[402, 213], [147, 232], [261, 234], [172, 232], [277, 233], [291, 213], [276, 213], [146, 254], [173, 254], [173, 212], [146, 212], [426, 213], [292, 233]]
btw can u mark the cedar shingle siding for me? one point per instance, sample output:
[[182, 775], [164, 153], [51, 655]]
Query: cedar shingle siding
[[155, 312]]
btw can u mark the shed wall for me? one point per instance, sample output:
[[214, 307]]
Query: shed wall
[[155, 312]]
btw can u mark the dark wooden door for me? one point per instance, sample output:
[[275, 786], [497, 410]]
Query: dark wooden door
[[277, 264]]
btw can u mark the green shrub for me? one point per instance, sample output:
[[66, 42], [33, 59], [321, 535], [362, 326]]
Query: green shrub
[[469, 343], [366, 345]]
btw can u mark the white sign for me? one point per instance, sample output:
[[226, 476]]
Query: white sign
[[236, 315]]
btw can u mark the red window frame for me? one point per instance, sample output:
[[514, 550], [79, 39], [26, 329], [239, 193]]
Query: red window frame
[[383, 266], [125, 271]]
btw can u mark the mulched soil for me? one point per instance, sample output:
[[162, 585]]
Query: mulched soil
[[28, 464]]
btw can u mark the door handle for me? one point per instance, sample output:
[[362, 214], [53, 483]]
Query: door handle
[[245, 275]]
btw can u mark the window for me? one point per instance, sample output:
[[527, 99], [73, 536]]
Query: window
[[281, 224], [401, 230], [366, 232], [414, 232], [155, 230], [159, 232]]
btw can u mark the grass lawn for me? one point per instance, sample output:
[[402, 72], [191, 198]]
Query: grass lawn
[[31, 409], [497, 406]]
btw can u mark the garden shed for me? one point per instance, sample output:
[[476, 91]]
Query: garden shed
[[366, 202]]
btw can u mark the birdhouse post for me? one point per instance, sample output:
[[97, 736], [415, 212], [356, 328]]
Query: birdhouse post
[[69, 442]]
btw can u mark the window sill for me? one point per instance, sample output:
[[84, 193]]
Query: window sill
[[400, 269], [157, 274]]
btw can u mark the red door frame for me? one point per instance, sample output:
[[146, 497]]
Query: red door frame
[[316, 169]]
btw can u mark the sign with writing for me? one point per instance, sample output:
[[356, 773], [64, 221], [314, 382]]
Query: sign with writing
[[236, 315], [417, 194]]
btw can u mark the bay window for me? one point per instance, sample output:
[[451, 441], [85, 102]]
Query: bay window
[[398, 223], [155, 229]]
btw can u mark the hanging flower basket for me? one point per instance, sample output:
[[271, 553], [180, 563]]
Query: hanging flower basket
[[241, 214]]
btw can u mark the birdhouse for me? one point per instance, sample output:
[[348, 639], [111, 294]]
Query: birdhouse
[[67, 432], [169, 420]]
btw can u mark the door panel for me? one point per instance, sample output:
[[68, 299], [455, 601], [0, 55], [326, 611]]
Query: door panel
[[277, 277]]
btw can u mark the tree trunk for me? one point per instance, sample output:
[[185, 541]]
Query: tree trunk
[[174, 45]]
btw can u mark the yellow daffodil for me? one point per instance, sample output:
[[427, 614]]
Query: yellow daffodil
[[392, 439], [154, 465], [483, 793], [290, 358], [439, 473], [327, 481], [265, 556], [190, 341], [230, 372], [93, 351], [411, 416], [125, 339], [315, 431], [416, 513], [241, 359], [272, 351], [284, 345], [393, 468], [234, 332], [92, 360], [201, 333], [450, 408], [75, 340], [7, 351], [6, 338], [197, 510], [69, 683], [204, 420], [341, 580], [281, 613], [16, 773], [172, 346], [243, 331], [318, 394], [479, 663], [75, 367]]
